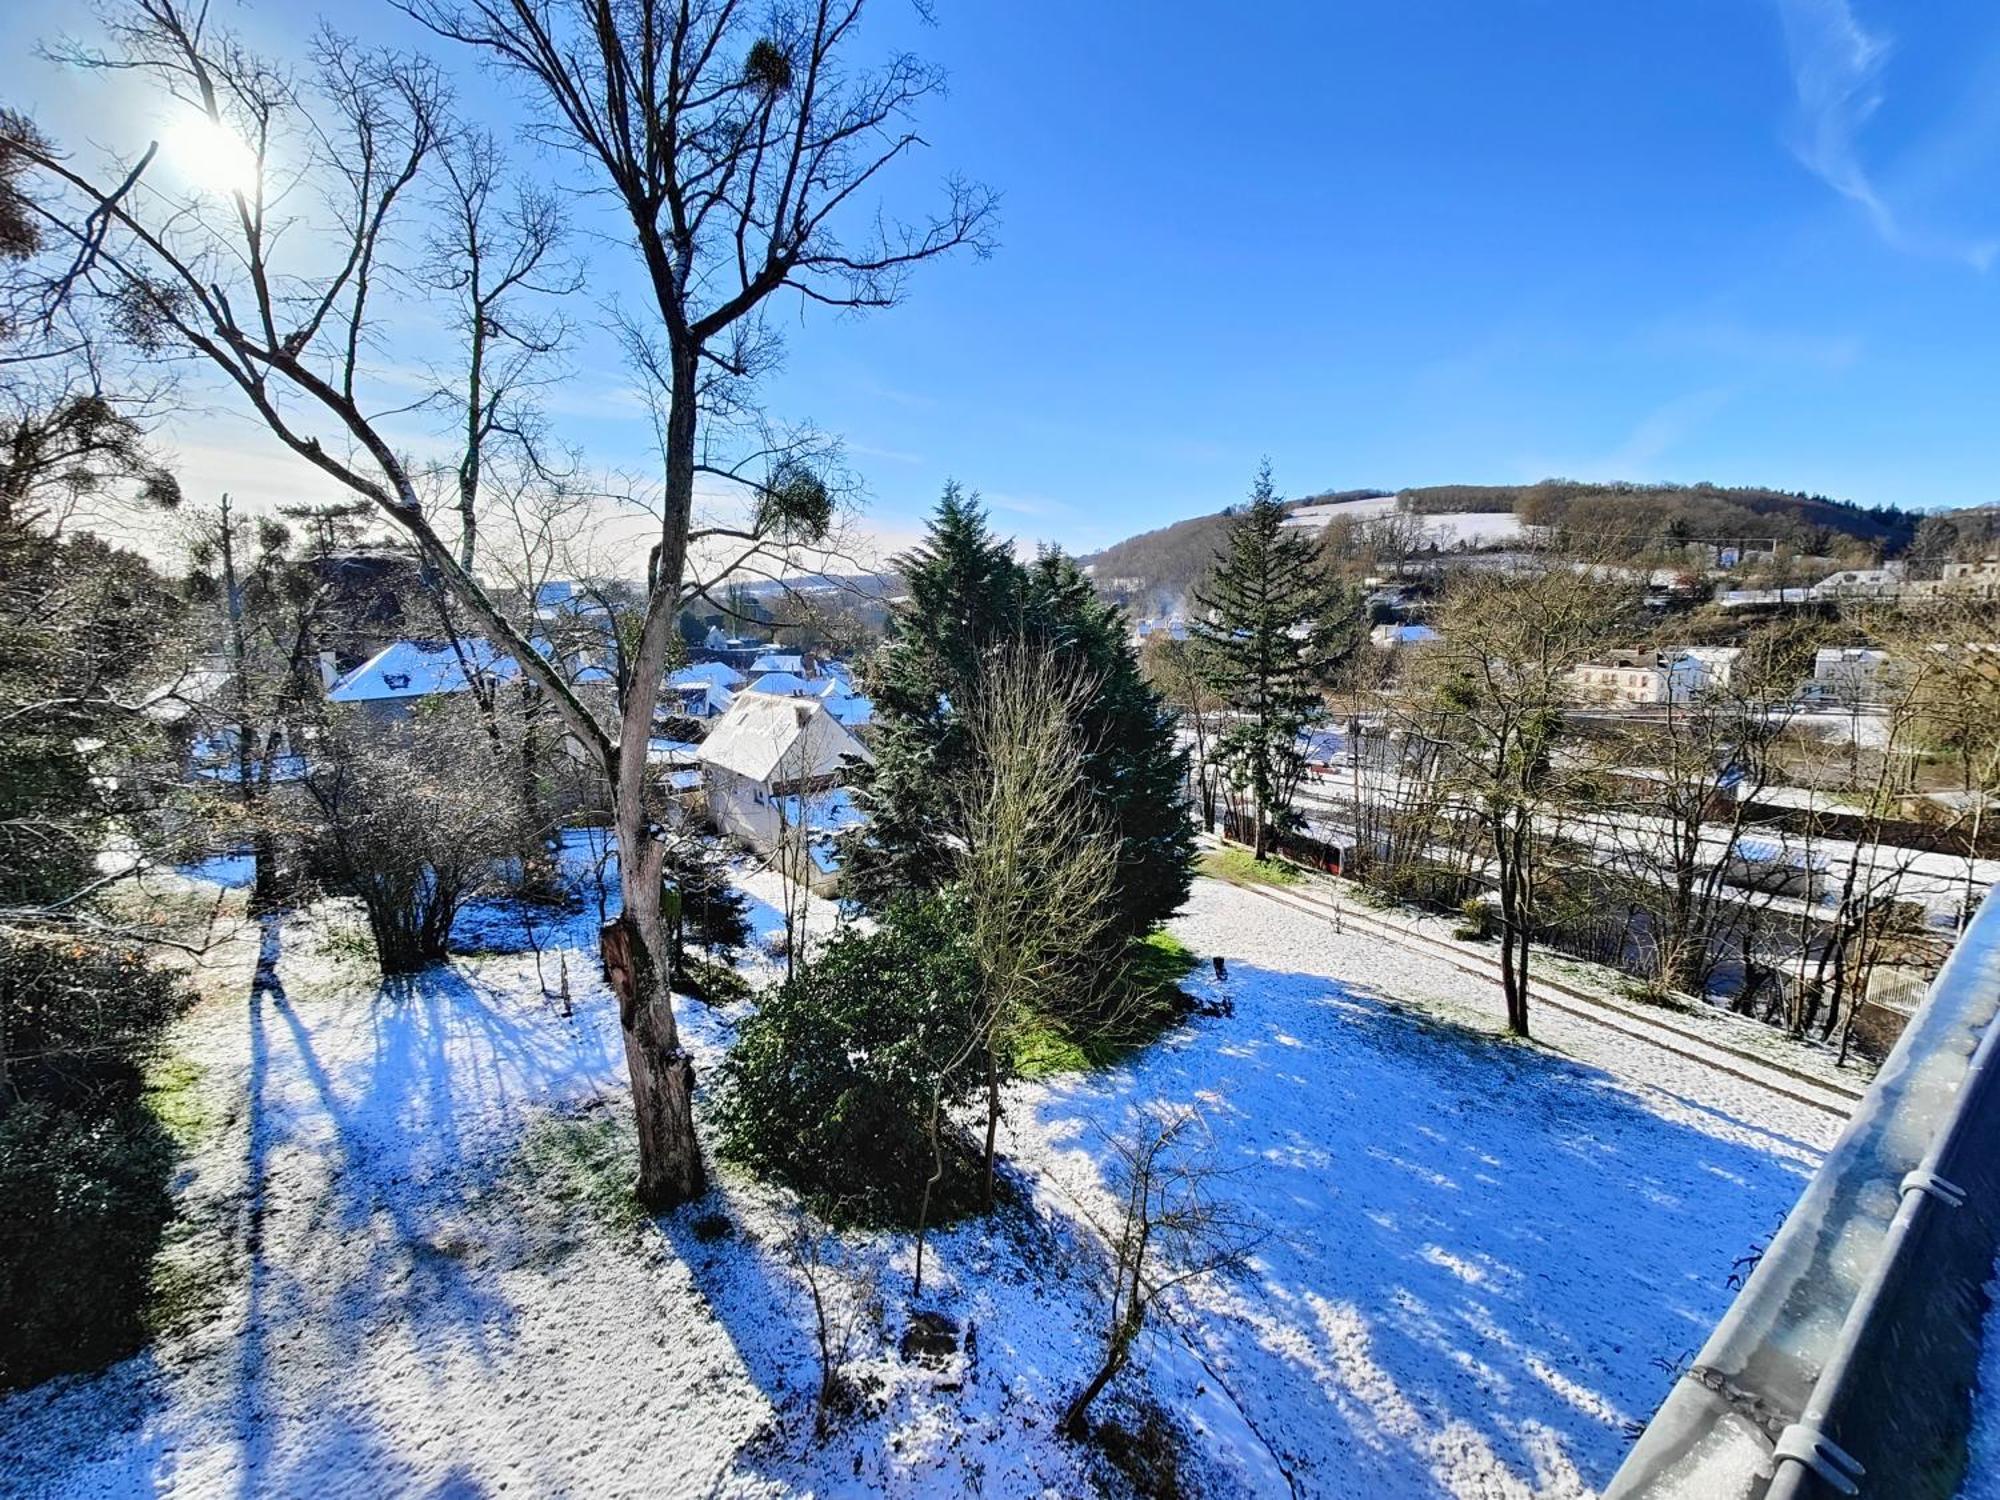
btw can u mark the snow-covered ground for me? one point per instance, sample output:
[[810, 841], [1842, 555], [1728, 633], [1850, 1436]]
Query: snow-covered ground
[[1444, 531], [1479, 1259]]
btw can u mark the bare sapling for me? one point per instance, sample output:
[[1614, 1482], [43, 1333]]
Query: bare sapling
[[844, 1299], [1172, 1229]]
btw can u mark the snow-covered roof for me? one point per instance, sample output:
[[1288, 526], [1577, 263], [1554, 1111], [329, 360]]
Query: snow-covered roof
[[853, 710], [421, 669], [720, 673], [830, 812], [778, 661], [779, 739], [1402, 635], [417, 669], [786, 685], [672, 752], [199, 687]]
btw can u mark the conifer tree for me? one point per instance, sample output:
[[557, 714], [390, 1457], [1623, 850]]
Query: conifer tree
[[968, 601], [964, 591], [1271, 624]]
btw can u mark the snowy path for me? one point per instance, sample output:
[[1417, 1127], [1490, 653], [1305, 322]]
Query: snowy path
[[1479, 1251]]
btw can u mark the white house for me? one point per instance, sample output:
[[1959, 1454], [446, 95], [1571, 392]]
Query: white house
[[1847, 672], [1717, 666], [768, 755], [1861, 583]]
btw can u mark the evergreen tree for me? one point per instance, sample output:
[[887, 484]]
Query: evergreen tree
[[968, 599], [964, 594], [1137, 772], [1271, 624]]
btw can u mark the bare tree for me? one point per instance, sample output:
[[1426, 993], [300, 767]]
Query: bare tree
[[494, 253], [738, 144], [1037, 866], [1172, 1229], [1678, 803], [1498, 684], [1171, 667], [844, 1299]]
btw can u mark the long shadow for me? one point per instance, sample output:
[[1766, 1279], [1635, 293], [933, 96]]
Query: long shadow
[[374, 1248], [1483, 1255], [252, 1372]]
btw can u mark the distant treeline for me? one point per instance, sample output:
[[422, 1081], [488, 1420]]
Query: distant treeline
[[1161, 567], [1641, 517], [1612, 521]]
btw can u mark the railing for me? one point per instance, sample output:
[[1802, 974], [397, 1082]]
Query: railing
[[1845, 1365]]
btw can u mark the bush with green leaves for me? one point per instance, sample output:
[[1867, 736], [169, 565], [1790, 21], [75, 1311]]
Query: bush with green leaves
[[84, 1164], [834, 1086], [87, 1199]]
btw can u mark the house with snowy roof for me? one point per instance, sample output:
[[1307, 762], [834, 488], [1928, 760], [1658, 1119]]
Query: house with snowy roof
[[391, 682], [786, 685], [704, 690], [778, 661], [769, 762]]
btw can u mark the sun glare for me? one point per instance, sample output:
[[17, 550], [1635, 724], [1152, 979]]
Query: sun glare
[[211, 157]]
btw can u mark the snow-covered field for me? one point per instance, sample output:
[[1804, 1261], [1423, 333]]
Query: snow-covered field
[[1479, 1259], [1444, 531]]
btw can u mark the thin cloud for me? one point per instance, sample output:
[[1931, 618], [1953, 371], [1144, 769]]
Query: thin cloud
[[1837, 67]]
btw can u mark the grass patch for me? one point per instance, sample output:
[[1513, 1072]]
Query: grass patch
[[173, 1093], [588, 1164], [1240, 867], [1150, 1002], [714, 983]]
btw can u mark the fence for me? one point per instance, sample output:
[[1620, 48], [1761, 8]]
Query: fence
[[1845, 1366]]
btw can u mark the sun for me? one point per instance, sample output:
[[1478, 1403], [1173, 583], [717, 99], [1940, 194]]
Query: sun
[[210, 156]]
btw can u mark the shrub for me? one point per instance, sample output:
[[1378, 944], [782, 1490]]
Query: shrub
[[84, 1163], [77, 1019], [409, 823], [833, 1084], [715, 915], [1423, 883], [87, 1198]]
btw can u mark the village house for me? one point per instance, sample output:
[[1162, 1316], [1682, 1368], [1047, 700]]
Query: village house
[[1637, 677], [1716, 666], [704, 690], [771, 768], [390, 684], [1847, 673]]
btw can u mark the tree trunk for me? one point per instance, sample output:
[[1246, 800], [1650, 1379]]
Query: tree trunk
[[992, 1120], [670, 1170], [634, 946], [1073, 1426]]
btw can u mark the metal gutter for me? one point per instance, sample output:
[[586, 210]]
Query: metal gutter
[[1844, 1367]]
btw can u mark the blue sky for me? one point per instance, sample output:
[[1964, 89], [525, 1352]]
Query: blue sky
[[1444, 240]]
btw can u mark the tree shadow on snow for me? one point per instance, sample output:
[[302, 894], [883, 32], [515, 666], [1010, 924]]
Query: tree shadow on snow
[[1480, 1251], [380, 1237]]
